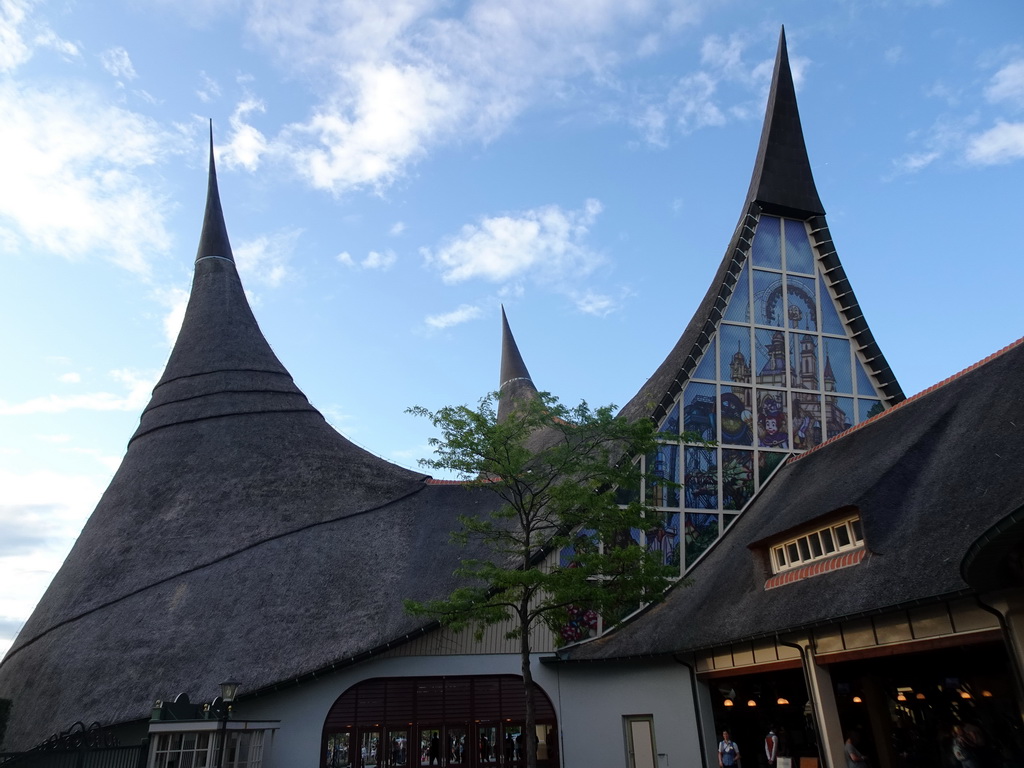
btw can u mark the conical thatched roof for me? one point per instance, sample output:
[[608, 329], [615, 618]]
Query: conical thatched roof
[[516, 382], [242, 535]]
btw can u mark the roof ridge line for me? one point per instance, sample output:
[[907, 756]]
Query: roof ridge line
[[911, 399]]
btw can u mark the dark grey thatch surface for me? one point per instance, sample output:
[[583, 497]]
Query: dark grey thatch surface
[[515, 382], [781, 184], [241, 536], [928, 477]]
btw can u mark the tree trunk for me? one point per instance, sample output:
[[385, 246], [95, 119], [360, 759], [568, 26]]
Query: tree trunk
[[530, 726]]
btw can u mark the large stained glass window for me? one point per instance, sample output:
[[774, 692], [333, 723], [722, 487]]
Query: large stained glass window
[[780, 376]]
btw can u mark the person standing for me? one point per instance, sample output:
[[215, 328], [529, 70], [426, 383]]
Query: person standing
[[771, 746], [728, 752], [854, 757]]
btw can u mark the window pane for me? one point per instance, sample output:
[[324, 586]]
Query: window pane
[[802, 314], [771, 358], [768, 304], [842, 535], [826, 540], [780, 557], [805, 551], [830, 322], [735, 362], [699, 410], [815, 545], [701, 480], [858, 536], [766, 250], [799, 257], [706, 367], [792, 554], [737, 478], [772, 420], [737, 419], [738, 309]]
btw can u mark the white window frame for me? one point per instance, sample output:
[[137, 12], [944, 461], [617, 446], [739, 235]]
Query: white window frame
[[820, 543]]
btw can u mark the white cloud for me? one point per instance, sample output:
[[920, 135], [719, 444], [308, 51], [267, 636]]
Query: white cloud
[[894, 54], [367, 139], [945, 137], [397, 228], [67, 151], [651, 122], [41, 515], [265, 259], [139, 387], [692, 99], [246, 145], [13, 48], [176, 301], [20, 34], [374, 260], [208, 89], [70, 378], [117, 62], [595, 304], [398, 77], [1002, 144], [382, 261], [463, 314], [544, 243], [1008, 85]]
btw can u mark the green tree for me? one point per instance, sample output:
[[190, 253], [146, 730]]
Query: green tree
[[566, 480]]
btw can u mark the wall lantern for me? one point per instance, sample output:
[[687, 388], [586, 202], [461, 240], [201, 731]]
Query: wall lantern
[[751, 703], [228, 690], [782, 701], [858, 700], [727, 703], [901, 696]]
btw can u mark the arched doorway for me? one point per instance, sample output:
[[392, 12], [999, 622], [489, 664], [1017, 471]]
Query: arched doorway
[[464, 722]]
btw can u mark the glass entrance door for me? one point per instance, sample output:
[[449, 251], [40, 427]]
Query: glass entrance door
[[370, 752]]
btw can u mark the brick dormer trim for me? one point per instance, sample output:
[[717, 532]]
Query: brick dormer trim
[[834, 563]]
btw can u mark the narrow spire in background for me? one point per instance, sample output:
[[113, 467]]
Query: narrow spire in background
[[515, 378]]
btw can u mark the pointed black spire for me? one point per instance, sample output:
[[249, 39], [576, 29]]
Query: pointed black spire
[[214, 239], [782, 182], [515, 378]]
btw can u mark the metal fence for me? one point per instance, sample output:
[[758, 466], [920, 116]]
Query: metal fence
[[79, 747]]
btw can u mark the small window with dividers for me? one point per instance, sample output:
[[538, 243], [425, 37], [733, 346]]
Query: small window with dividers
[[817, 544]]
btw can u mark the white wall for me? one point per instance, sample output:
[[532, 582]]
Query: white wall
[[590, 702], [593, 699]]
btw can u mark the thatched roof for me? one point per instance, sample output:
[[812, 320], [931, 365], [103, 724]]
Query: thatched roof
[[515, 383], [242, 535], [929, 477], [782, 185]]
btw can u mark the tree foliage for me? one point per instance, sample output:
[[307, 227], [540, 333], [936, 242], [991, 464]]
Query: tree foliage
[[568, 483]]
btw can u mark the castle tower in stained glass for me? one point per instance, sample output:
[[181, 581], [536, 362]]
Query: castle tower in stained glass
[[777, 358]]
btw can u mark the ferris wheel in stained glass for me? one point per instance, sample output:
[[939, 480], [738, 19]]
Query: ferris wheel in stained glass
[[779, 376]]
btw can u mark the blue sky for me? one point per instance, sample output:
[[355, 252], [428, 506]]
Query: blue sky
[[393, 171]]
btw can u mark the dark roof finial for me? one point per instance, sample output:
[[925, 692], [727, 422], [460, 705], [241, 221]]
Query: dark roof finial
[[782, 182], [214, 239], [515, 378]]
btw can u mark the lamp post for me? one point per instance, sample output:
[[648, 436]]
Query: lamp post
[[228, 690]]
